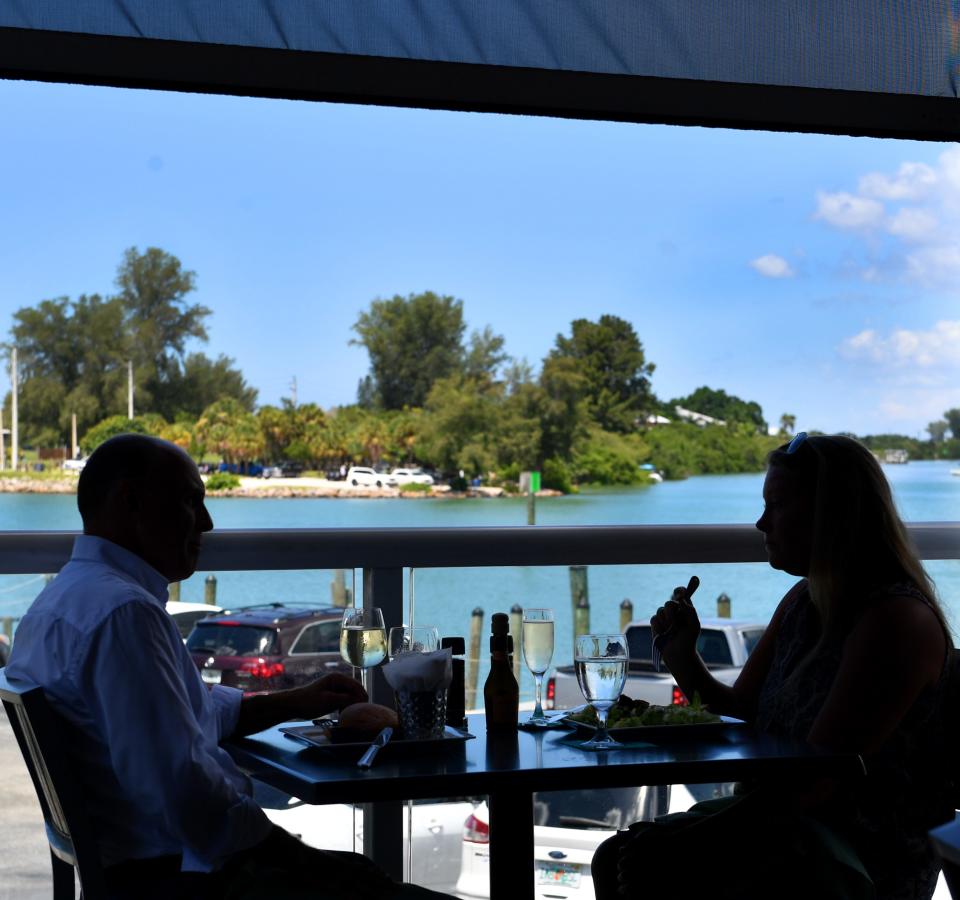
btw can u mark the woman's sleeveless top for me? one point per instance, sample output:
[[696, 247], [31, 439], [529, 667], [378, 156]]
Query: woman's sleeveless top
[[903, 795]]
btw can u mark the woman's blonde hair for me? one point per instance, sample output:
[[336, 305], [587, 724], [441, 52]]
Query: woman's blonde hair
[[860, 544]]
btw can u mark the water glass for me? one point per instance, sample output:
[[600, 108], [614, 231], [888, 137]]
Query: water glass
[[413, 639], [600, 661], [537, 642]]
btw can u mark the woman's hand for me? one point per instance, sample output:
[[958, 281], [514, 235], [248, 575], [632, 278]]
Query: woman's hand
[[678, 621]]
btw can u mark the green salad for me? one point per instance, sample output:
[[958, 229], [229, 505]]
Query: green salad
[[638, 713]]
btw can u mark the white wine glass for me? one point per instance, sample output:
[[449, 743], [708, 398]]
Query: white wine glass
[[412, 639], [600, 661], [536, 638], [363, 639]]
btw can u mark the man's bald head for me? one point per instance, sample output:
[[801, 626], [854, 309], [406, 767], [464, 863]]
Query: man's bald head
[[126, 457], [146, 495]]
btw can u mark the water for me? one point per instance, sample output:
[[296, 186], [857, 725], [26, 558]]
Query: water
[[925, 492]]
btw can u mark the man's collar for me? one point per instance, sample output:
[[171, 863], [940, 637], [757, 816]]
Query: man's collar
[[97, 549]]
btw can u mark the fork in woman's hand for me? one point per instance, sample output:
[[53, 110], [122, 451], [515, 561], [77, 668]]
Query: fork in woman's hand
[[658, 640]]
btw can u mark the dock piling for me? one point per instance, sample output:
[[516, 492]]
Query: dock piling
[[173, 591], [580, 598], [210, 589], [473, 660], [626, 613], [723, 607], [516, 627]]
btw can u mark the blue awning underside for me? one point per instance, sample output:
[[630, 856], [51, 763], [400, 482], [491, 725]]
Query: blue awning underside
[[891, 47]]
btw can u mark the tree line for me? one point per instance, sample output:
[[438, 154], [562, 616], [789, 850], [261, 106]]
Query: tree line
[[433, 395]]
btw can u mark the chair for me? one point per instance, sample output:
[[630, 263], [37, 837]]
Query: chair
[[946, 840], [40, 736]]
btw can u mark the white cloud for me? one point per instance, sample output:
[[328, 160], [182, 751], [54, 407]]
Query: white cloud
[[912, 181], [940, 346], [772, 266], [913, 224], [847, 211]]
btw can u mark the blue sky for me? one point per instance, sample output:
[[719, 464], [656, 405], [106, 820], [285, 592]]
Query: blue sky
[[814, 274]]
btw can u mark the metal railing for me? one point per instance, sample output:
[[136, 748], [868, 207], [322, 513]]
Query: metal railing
[[384, 553]]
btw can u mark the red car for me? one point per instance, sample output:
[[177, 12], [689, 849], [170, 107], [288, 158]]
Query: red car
[[266, 648]]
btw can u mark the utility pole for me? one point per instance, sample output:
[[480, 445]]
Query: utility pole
[[129, 388], [293, 391], [73, 436], [14, 422]]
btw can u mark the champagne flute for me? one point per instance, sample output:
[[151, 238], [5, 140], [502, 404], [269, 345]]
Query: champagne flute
[[363, 638], [600, 661], [537, 641], [412, 639]]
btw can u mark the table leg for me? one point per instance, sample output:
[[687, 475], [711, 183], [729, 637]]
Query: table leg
[[383, 836], [511, 844]]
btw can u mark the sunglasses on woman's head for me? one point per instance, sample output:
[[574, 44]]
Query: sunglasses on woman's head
[[796, 443]]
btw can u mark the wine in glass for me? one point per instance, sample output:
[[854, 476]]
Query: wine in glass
[[363, 638], [537, 641], [413, 639], [600, 661]]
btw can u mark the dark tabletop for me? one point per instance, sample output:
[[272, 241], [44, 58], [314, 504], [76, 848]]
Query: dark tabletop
[[528, 763]]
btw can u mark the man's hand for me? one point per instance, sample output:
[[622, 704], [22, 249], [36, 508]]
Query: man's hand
[[324, 695], [334, 691]]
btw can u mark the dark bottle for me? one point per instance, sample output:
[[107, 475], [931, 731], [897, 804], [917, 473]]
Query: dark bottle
[[501, 693], [456, 696]]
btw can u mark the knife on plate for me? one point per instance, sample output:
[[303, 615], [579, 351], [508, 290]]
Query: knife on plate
[[377, 744]]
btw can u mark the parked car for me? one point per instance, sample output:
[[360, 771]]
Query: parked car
[[269, 647], [724, 645], [272, 472], [568, 828], [74, 465], [410, 476], [362, 476], [186, 615]]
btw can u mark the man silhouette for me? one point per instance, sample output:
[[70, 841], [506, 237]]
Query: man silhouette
[[172, 814]]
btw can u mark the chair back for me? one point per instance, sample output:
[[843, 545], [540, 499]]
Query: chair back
[[39, 733], [946, 840]]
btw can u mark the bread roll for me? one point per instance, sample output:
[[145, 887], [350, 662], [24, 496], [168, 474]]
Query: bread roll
[[368, 718]]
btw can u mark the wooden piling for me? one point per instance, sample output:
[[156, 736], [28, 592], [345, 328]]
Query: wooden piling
[[723, 607], [580, 599], [473, 659], [8, 627], [173, 591], [626, 613], [210, 589], [340, 594], [516, 629]]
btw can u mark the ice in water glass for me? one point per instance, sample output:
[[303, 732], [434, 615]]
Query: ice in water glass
[[600, 661], [536, 637], [413, 639]]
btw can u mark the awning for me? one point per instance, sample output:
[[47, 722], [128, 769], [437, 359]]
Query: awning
[[860, 66]]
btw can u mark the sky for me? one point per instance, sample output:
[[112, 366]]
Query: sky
[[816, 275]]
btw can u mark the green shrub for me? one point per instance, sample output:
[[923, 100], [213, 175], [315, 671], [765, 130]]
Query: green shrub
[[414, 488], [556, 476], [222, 481]]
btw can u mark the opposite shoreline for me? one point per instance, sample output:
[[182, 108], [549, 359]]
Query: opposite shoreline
[[274, 488]]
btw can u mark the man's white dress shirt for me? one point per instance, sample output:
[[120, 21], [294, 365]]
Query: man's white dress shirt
[[145, 728]]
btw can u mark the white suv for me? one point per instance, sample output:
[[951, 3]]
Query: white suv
[[410, 476], [361, 476]]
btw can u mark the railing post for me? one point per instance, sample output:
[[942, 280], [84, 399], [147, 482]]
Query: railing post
[[383, 822]]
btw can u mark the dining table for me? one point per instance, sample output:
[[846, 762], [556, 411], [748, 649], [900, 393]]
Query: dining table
[[510, 768]]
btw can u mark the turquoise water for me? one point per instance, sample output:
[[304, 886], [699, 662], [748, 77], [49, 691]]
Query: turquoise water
[[925, 492]]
